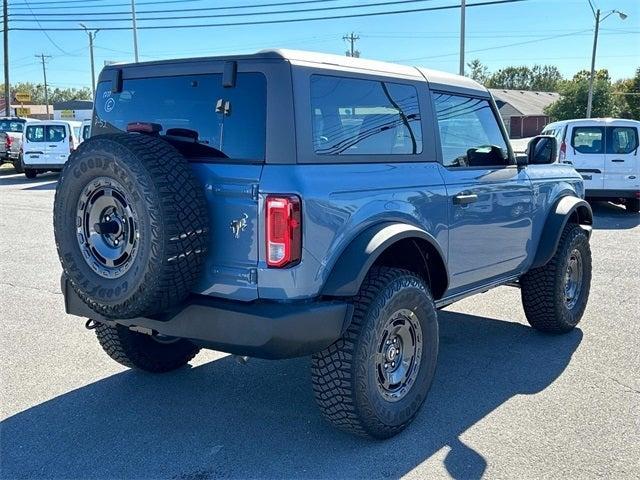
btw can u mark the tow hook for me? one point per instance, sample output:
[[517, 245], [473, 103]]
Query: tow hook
[[241, 359], [90, 324]]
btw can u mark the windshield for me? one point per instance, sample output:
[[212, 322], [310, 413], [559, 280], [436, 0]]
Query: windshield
[[11, 126]]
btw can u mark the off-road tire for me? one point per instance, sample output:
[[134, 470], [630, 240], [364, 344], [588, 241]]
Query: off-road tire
[[343, 374], [18, 166], [143, 352], [30, 173], [172, 225], [632, 205], [543, 288]]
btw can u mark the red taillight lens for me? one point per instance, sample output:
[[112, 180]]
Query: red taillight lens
[[8, 141], [563, 151], [284, 233]]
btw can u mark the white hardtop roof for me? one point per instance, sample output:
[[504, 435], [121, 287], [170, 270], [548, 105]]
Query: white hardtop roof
[[596, 122]]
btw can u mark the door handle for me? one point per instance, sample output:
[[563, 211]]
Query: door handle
[[617, 160], [465, 198]]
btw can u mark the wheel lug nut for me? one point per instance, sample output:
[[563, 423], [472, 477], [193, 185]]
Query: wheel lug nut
[[393, 364], [386, 365]]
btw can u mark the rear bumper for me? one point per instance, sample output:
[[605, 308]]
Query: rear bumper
[[258, 329], [612, 193]]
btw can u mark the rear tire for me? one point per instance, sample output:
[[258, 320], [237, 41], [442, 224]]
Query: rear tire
[[143, 352], [555, 295], [632, 205], [357, 384], [30, 173]]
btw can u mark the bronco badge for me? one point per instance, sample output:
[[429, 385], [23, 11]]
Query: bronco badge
[[239, 225]]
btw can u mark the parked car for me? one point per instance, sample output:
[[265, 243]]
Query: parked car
[[85, 130], [320, 205], [11, 131], [605, 152], [47, 145]]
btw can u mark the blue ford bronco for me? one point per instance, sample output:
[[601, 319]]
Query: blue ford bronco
[[289, 203]]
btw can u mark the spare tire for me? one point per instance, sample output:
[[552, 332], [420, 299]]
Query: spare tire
[[131, 225]]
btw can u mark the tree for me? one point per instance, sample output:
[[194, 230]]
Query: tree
[[36, 91], [539, 77], [574, 94], [478, 71], [627, 96]]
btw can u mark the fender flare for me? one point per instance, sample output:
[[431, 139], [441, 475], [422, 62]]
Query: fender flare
[[357, 258], [556, 220]]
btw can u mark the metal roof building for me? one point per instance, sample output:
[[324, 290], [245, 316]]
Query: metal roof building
[[523, 111]]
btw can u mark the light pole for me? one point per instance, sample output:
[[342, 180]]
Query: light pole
[[463, 5], [596, 14], [92, 37], [135, 30]]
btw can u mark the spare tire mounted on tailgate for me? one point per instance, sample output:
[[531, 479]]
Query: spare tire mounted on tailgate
[[131, 225]]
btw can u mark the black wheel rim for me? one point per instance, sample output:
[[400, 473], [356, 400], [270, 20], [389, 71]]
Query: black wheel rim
[[573, 279], [398, 356], [107, 228]]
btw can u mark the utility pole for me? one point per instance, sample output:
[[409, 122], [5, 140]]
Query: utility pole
[[135, 30], [43, 58], [92, 37], [352, 38], [463, 5], [596, 14], [5, 35]]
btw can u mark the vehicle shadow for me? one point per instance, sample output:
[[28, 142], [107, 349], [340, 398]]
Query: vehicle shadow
[[20, 179], [260, 421], [608, 216]]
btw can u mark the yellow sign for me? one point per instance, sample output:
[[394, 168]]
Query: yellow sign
[[67, 114], [23, 112], [23, 97]]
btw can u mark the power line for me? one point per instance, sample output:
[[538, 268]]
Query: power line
[[156, 2], [200, 9], [45, 34], [291, 20], [227, 15]]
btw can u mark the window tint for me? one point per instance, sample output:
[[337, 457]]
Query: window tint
[[55, 133], [622, 140], [588, 139], [364, 117], [11, 126], [35, 133], [195, 112], [469, 132]]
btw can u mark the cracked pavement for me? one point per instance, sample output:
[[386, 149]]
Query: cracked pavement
[[507, 402]]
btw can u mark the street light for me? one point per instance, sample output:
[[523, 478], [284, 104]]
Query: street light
[[596, 14], [92, 36]]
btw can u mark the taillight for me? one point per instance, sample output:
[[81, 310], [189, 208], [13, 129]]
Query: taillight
[[284, 233], [7, 142], [563, 151]]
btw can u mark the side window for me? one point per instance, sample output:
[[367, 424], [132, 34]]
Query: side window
[[364, 117], [588, 140], [470, 135], [622, 140], [55, 133], [35, 134]]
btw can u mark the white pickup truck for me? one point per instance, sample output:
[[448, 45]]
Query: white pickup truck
[[11, 132]]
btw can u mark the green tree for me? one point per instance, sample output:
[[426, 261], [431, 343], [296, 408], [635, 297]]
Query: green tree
[[539, 77], [36, 90], [574, 94], [627, 96], [478, 71]]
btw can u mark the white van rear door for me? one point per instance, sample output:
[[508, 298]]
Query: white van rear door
[[622, 169], [586, 152], [57, 144], [34, 145]]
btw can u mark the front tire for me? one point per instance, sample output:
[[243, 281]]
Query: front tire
[[144, 352], [555, 295], [373, 381]]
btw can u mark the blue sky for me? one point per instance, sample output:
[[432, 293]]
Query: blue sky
[[558, 32]]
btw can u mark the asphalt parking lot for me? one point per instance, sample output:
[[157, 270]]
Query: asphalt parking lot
[[507, 402]]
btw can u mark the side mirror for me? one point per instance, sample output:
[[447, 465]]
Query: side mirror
[[542, 150]]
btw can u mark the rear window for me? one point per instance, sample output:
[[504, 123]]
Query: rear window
[[45, 133], [622, 140], [588, 139], [86, 131], [11, 126], [194, 112], [364, 117]]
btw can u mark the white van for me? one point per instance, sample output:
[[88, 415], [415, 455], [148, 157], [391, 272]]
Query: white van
[[85, 130], [605, 152], [47, 145]]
